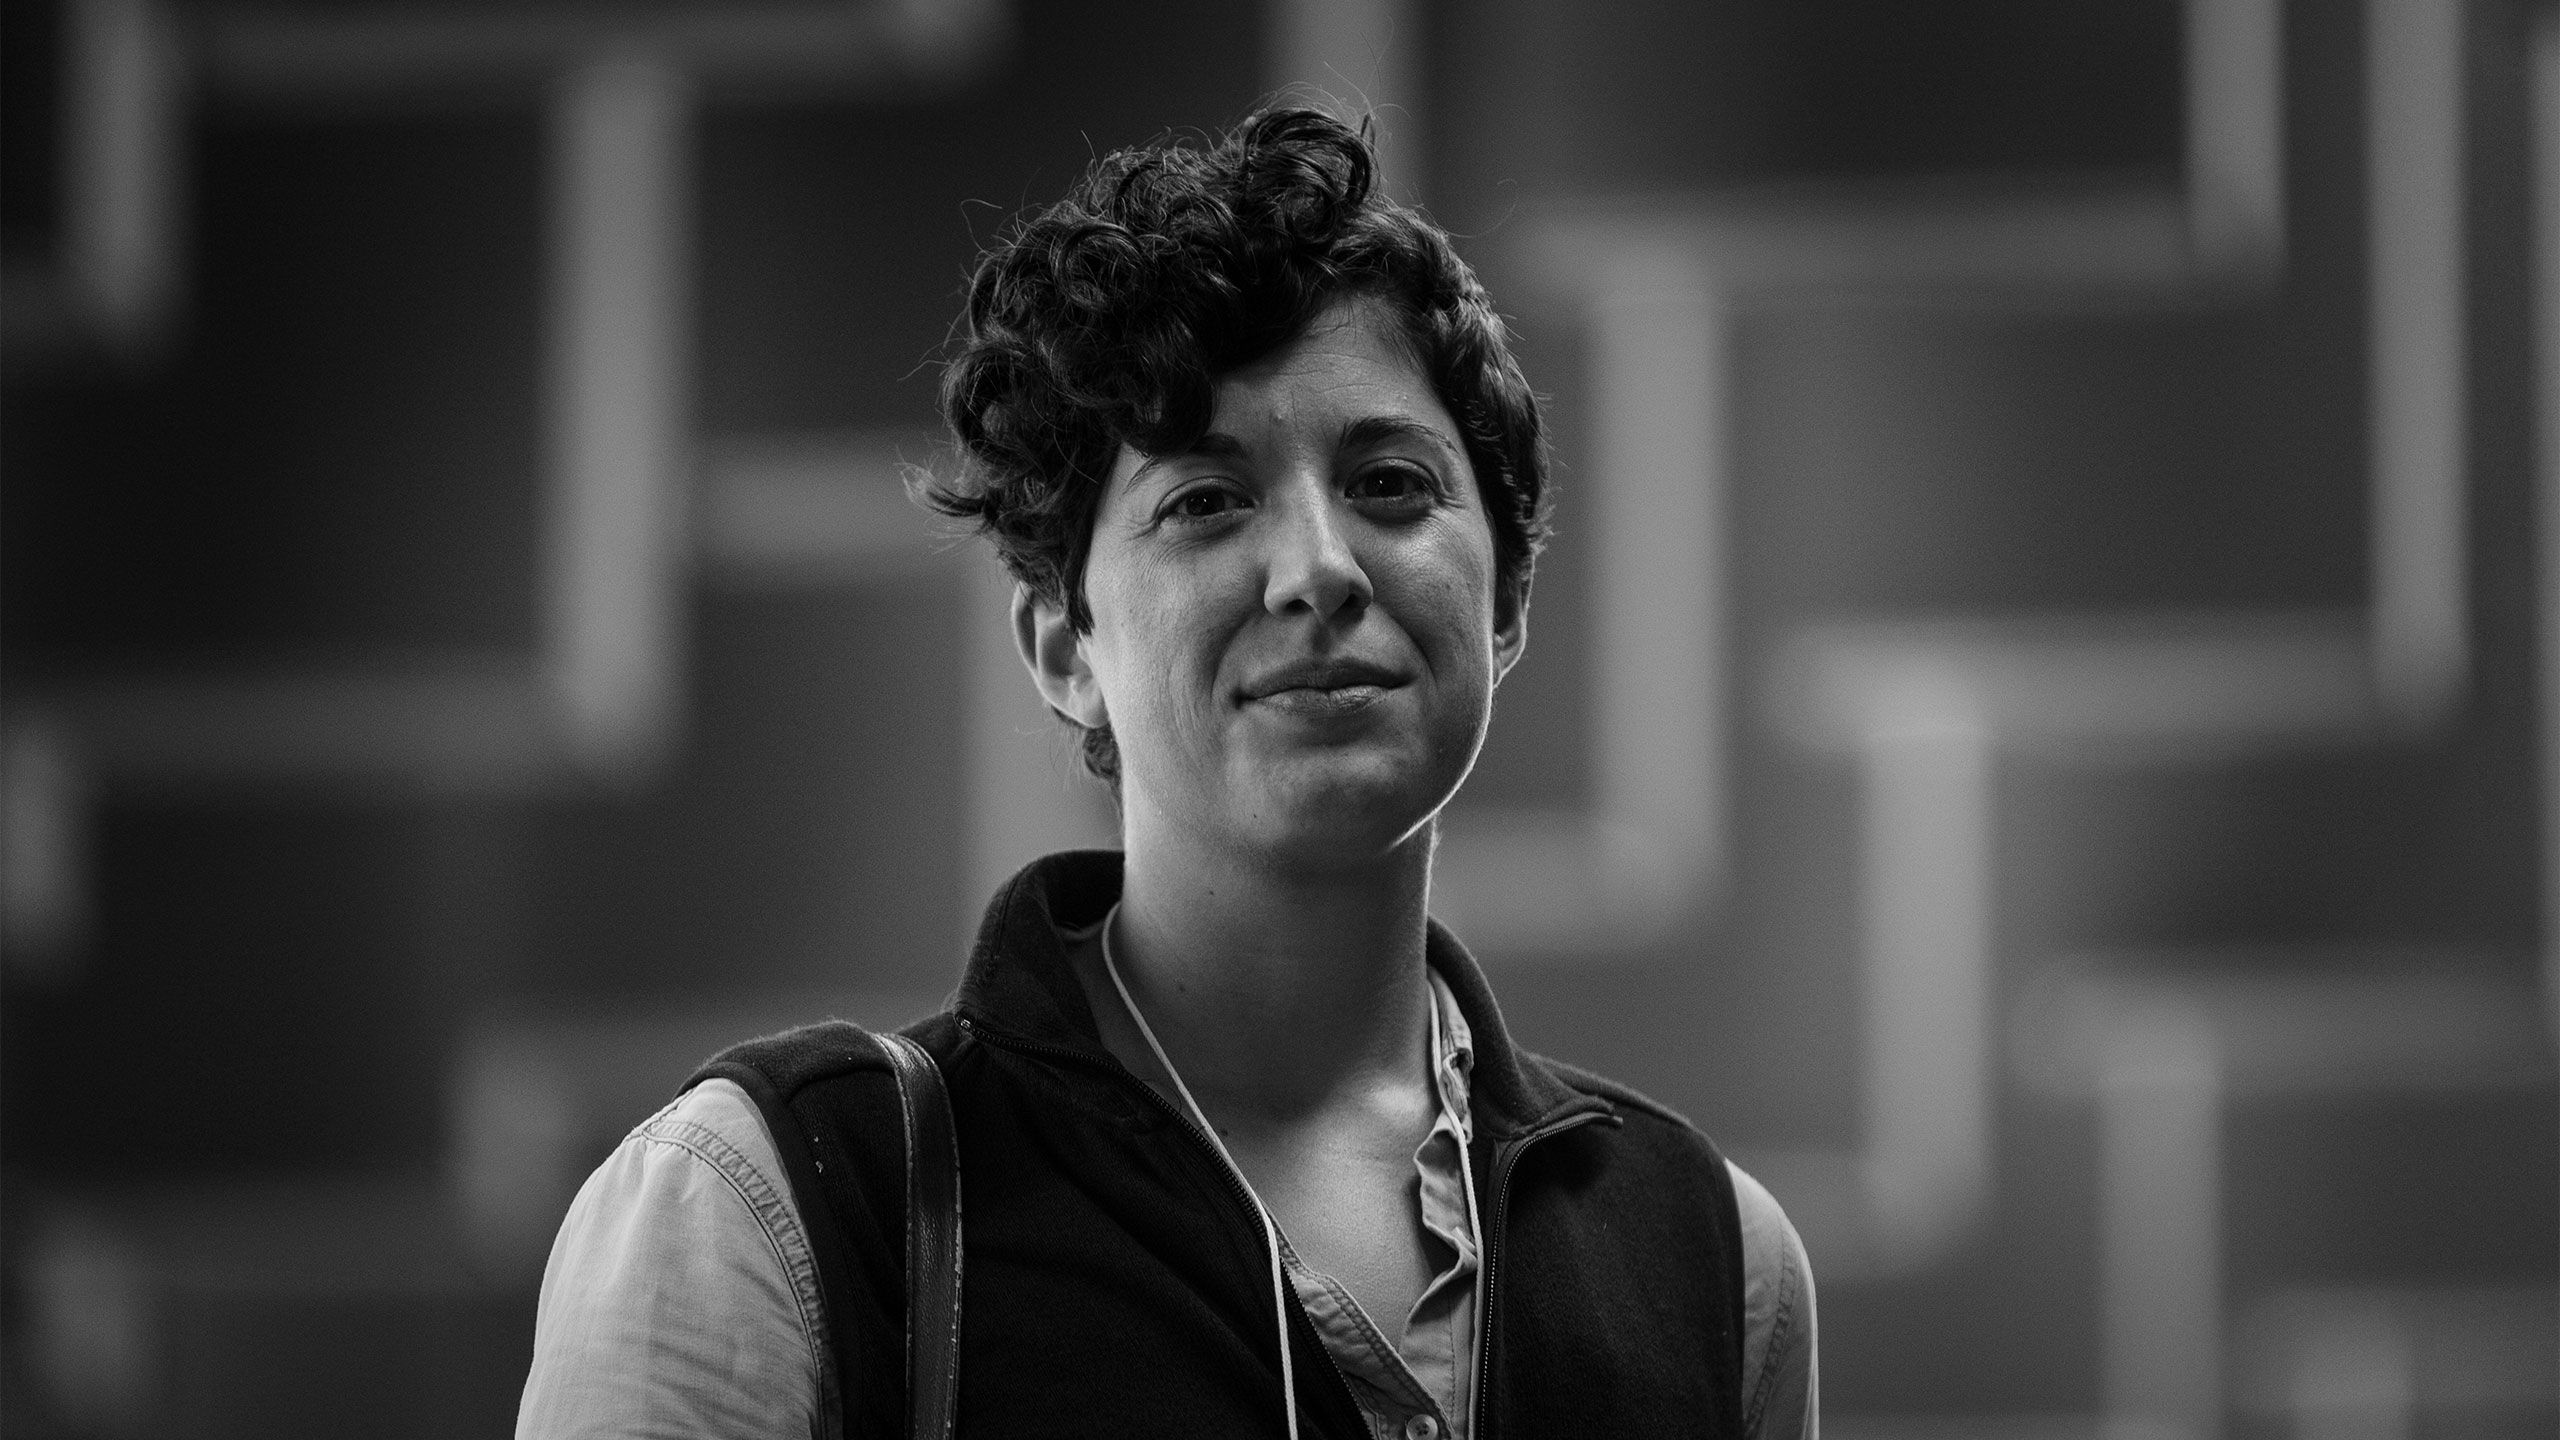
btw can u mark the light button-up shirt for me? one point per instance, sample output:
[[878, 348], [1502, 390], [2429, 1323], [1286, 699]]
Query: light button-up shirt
[[1422, 1386]]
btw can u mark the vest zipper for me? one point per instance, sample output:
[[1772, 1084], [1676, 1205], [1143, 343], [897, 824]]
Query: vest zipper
[[1504, 1161], [1114, 1070]]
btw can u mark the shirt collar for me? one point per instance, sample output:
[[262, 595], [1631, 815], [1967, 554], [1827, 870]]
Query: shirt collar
[[1019, 981], [1453, 1058]]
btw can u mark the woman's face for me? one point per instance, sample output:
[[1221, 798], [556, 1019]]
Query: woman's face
[[1296, 633]]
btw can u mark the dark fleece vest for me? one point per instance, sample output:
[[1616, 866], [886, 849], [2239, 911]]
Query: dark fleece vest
[[1115, 1281]]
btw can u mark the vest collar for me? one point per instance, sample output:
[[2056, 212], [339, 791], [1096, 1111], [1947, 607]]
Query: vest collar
[[1018, 982]]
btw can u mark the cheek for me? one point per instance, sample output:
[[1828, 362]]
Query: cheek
[[1152, 652], [1450, 593]]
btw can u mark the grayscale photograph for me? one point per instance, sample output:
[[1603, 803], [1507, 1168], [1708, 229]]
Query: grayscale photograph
[[1309, 719]]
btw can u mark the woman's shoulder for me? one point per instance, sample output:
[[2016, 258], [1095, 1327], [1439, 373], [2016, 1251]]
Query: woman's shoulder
[[1763, 1220], [680, 1285], [806, 1055], [699, 1182], [1780, 1366], [1780, 1346], [1632, 1105], [718, 1124]]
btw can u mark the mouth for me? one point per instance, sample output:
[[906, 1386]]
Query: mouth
[[1308, 704], [1318, 689]]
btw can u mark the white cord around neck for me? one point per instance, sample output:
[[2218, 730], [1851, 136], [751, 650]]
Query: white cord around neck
[[1270, 1227]]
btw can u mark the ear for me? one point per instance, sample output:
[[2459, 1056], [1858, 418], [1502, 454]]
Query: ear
[[1054, 654], [1510, 629]]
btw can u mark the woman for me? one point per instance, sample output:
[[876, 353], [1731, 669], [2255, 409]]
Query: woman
[[1244, 1144]]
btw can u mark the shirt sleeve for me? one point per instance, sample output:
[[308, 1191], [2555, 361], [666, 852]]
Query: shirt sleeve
[[1781, 1370], [680, 1301]]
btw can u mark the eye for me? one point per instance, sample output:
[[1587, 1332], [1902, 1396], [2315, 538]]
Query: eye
[[1395, 482], [1204, 502]]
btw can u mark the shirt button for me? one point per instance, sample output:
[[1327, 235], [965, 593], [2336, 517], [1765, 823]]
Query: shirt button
[[1422, 1427]]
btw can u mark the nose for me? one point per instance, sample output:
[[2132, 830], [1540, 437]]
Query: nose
[[1311, 567]]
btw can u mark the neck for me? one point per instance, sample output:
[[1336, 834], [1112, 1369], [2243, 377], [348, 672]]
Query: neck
[[1277, 991]]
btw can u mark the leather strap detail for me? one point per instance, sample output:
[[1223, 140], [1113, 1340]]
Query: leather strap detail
[[933, 1240]]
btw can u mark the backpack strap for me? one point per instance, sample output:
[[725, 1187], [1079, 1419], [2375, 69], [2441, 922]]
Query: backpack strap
[[933, 1239], [789, 1076]]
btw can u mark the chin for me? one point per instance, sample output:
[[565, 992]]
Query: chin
[[1348, 814]]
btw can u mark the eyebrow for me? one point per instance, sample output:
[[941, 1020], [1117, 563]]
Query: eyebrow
[[1378, 429], [1215, 445], [1360, 434]]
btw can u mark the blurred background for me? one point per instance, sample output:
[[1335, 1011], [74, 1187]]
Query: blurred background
[[2036, 735]]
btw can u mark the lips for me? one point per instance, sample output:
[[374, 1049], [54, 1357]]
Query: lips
[[1321, 677]]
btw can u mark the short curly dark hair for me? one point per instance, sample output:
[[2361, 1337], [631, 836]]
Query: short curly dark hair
[[1108, 318]]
